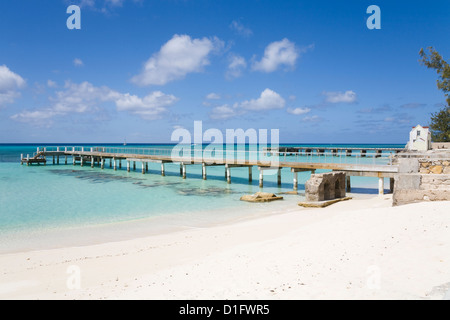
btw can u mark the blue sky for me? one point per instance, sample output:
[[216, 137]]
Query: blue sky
[[139, 69]]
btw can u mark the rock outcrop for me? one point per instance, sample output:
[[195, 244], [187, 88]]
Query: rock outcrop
[[261, 197]]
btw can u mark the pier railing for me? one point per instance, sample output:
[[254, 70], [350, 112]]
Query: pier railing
[[238, 154]]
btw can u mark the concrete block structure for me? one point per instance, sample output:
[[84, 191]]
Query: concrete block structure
[[325, 186]]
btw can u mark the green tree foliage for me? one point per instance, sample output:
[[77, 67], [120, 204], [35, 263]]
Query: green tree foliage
[[440, 125], [440, 121]]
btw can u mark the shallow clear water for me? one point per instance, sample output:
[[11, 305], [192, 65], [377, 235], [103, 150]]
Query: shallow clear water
[[41, 200]]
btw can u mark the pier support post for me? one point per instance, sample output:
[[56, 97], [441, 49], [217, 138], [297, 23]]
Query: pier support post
[[65, 160], [102, 161], [74, 160], [110, 162], [134, 165], [279, 176], [163, 169], [57, 159], [82, 160], [381, 186], [120, 163], [184, 170], [261, 178], [228, 175], [181, 169], [295, 180], [92, 162], [204, 171], [128, 166], [348, 184], [143, 167], [115, 164], [21, 158], [391, 184], [250, 173], [146, 167], [53, 159]]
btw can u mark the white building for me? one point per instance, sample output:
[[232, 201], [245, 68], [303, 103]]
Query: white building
[[419, 139]]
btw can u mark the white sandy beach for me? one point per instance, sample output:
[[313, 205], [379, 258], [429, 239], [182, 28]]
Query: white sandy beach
[[357, 249]]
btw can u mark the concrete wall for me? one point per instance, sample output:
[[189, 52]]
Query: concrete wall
[[440, 145]]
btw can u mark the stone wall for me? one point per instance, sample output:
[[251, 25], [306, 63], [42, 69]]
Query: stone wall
[[423, 177], [427, 166], [325, 186]]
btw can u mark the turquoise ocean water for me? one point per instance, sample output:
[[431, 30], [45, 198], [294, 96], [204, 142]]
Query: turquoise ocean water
[[55, 205]]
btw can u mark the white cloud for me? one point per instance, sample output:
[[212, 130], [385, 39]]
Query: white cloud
[[268, 99], [78, 63], [115, 3], [298, 111], [236, 66], [51, 84], [213, 96], [9, 80], [176, 58], [150, 107], [314, 118], [8, 97], [240, 29], [86, 98], [223, 112], [276, 54], [10, 83], [340, 97]]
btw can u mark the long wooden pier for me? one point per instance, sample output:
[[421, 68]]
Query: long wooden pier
[[98, 156]]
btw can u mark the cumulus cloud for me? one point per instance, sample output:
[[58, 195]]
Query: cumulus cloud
[[235, 67], [150, 107], [10, 83], [340, 97], [240, 29], [268, 99], [276, 54], [176, 58], [298, 111], [86, 98]]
